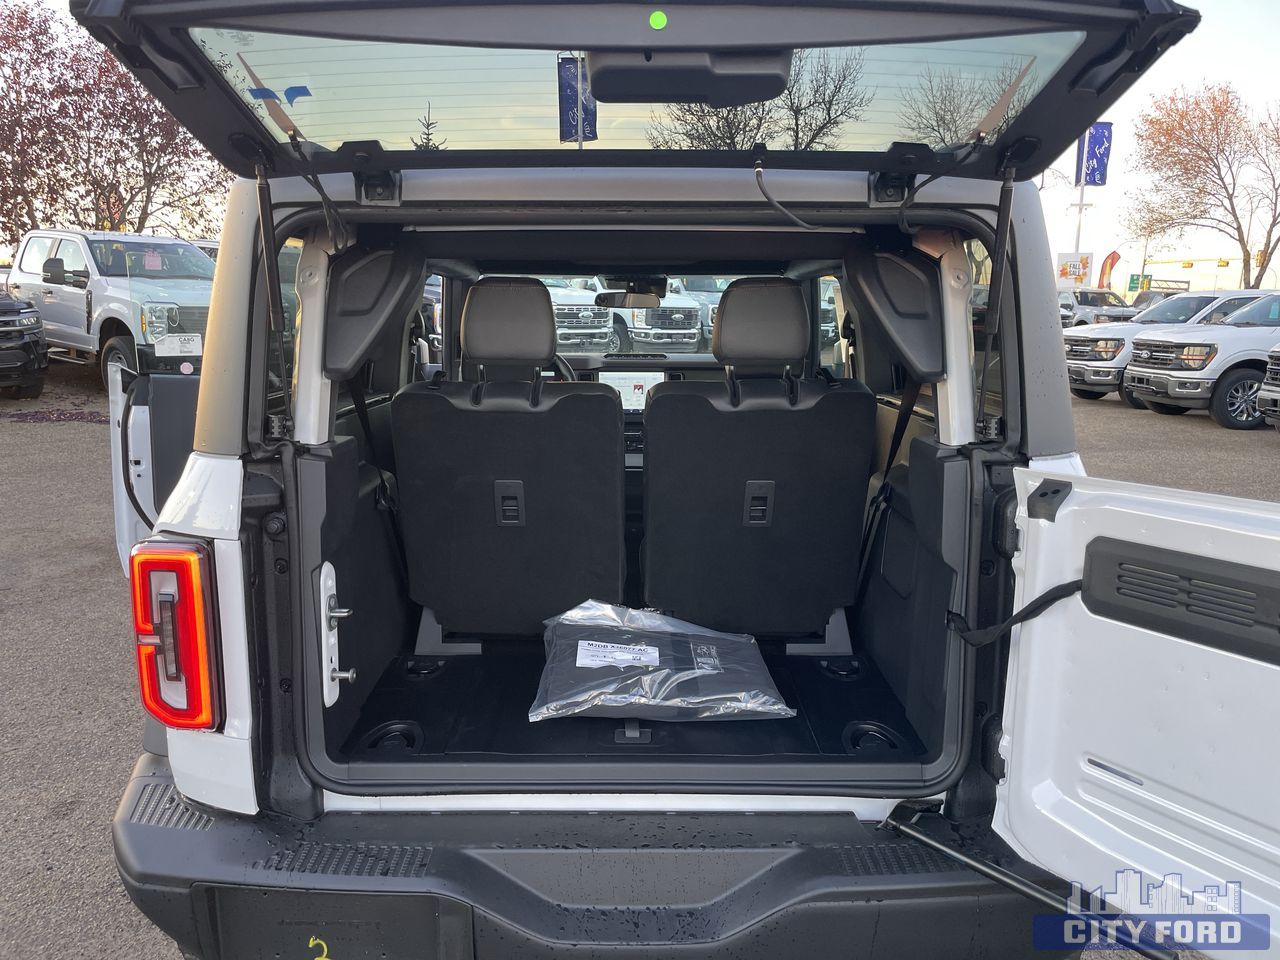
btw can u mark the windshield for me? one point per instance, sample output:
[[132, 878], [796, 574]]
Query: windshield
[[148, 260], [705, 284], [426, 97], [1260, 313], [1173, 310], [1098, 298]]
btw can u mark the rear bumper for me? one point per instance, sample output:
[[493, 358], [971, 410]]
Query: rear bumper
[[406, 886], [1176, 388]]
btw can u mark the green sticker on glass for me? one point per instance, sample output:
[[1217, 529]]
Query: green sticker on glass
[[658, 19]]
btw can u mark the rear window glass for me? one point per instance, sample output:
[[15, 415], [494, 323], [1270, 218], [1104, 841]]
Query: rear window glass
[[426, 97]]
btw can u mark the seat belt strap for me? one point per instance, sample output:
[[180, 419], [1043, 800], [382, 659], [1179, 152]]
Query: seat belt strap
[[386, 496], [910, 394], [980, 638], [880, 502]]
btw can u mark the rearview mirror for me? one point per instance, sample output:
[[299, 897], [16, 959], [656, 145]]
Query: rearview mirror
[[628, 301], [54, 272], [720, 78]]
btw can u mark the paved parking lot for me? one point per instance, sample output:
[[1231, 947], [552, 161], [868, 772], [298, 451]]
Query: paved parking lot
[[69, 723]]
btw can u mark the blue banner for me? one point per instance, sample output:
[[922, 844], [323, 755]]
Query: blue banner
[[570, 73], [1093, 154]]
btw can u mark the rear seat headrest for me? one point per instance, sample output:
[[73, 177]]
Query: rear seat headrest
[[762, 322], [508, 321]]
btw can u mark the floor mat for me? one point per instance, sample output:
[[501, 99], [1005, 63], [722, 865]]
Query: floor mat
[[472, 706]]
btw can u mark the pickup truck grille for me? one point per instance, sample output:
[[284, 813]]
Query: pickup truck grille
[[1273, 368], [1153, 353], [1079, 348], [192, 320], [581, 316], [673, 318]]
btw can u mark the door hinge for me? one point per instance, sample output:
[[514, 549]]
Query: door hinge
[[380, 188], [991, 428], [279, 426]]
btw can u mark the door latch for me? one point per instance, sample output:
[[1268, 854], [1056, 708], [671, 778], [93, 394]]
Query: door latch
[[330, 615]]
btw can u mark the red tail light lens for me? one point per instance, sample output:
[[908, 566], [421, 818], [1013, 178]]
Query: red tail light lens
[[173, 617]]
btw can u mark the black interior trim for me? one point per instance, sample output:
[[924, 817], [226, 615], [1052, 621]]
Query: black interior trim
[[1227, 606]]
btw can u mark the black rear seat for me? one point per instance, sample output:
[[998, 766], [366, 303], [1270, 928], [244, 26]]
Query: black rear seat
[[755, 487], [510, 487]]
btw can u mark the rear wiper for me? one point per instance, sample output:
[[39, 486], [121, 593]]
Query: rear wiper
[[995, 116]]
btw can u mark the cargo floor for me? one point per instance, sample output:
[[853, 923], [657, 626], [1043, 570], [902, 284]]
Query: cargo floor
[[477, 707]]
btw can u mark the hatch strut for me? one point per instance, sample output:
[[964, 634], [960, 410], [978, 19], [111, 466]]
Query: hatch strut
[[280, 429], [998, 874], [988, 429]]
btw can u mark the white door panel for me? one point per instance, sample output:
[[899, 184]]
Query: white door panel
[[1127, 746], [130, 525]]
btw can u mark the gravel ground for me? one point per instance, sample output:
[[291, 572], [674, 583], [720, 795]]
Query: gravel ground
[[70, 727]]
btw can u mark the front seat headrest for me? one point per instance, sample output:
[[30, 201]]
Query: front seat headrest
[[508, 321], [762, 322]]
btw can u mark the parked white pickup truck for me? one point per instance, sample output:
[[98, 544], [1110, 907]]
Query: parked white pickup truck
[[1098, 353], [1216, 366], [1269, 392], [116, 297]]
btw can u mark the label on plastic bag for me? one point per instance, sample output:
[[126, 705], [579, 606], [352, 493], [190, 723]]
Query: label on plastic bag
[[595, 653], [706, 658]]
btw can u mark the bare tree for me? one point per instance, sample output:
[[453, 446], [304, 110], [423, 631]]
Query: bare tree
[[1213, 166], [944, 107], [696, 126], [824, 92]]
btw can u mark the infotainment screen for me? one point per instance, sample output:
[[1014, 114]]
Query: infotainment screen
[[634, 387]]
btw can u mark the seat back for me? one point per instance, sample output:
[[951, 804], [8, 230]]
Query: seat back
[[510, 488], [755, 486]]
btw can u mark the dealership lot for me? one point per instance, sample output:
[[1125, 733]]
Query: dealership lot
[[69, 721]]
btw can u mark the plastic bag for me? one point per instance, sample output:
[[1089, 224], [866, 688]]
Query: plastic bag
[[607, 661]]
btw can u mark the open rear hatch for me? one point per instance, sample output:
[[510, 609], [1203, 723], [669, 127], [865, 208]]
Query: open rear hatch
[[369, 88]]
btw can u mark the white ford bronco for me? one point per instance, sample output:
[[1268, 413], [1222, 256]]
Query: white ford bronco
[[1000, 676]]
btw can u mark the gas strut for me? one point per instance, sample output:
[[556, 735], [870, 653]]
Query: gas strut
[[1017, 884], [995, 296], [275, 305]]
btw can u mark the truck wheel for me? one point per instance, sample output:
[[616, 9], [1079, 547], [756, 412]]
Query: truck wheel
[[1167, 409], [117, 350], [619, 340], [1086, 394], [1132, 399], [1235, 400]]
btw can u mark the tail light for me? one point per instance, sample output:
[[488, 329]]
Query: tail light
[[173, 617]]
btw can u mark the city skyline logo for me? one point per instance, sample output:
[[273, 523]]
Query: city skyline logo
[[1162, 913]]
